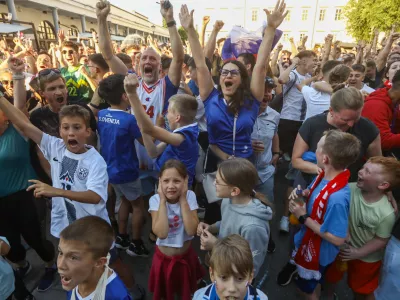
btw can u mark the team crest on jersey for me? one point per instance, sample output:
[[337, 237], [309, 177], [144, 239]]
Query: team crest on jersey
[[83, 173], [147, 99], [67, 178]]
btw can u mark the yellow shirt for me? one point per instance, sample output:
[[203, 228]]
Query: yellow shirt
[[368, 220]]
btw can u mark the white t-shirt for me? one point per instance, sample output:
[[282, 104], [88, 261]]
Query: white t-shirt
[[78, 173], [293, 100], [367, 89], [317, 102], [201, 115], [176, 234]]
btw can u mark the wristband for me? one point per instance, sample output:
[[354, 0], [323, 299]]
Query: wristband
[[171, 24], [18, 76], [276, 153]]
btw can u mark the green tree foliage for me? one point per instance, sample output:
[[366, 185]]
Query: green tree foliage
[[365, 15], [164, 23], [183, 34]]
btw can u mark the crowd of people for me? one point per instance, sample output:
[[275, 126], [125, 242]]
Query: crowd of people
[[105, 131]]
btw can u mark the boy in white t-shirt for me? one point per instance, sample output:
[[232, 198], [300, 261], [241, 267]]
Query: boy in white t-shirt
[[78, 171]]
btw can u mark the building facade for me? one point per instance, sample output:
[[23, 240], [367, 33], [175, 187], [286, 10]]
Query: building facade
[[77, 18], [314, 18]]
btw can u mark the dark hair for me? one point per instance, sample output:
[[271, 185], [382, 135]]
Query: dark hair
[[174, 164], [329, 65], [43, 52], [388, 66], [94, 232], [191, 63], [70, 44], [358, 68], [165, 62], [249, 59], [125, 58], [112, 88], [396, 80], [99, 60], [342, 148], [348, 59], [75, 111], [243, 91], [44, 80], [241, 173], [186, 59], [371, 64]]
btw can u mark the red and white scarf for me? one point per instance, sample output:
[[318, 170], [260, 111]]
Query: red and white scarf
[[307, 256]]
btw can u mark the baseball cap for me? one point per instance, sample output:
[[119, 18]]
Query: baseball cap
[[270, 82]]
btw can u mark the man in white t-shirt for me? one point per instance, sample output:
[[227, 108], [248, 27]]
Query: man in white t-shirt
[[293, 110], [356, 79]]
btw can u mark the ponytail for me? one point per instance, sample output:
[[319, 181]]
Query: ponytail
[[264, 199]]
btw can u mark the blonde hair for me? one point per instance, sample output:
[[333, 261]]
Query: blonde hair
[[339, 75], [184, 105], [342, 148], [347, 98], [390, 167], [230, 251]]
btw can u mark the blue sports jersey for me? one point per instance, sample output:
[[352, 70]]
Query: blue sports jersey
[[187, 152], [220, 124], [336, 221], [194, 88], [118, 131], [115, 290]]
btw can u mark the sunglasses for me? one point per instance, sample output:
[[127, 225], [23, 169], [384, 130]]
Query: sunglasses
[[70, 52], [47, 72], [225, 72], [8, 82]]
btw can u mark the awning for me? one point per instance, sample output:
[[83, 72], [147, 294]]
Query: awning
[[117, 38], [87, 35], [9, 28]]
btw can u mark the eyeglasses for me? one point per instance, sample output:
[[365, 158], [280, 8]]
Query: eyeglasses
[[70, 52], [90, 66], [47, 72], [225, 72], [8, 82]]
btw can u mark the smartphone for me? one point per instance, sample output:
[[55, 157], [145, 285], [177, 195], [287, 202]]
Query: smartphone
[[167, 4]]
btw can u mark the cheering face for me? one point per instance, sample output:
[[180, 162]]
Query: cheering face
[[356, 79], [150, 66], [70, 56], [75, 264], [74, 133], [370, 72], [267, 97], [43, 62], [172, 184], [56, 94], [8, 83], [371, 177], [393, 69], [230, 79]]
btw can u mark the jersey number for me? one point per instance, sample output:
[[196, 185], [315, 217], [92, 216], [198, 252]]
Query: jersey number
[[72, 91], [150, 111]]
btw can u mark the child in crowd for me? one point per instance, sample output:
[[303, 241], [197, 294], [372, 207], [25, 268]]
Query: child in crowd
[[372, 218], [324, 218], [181, 144], [231, 270], [118, 131], [175, 269], [244, 211], [83, 261]]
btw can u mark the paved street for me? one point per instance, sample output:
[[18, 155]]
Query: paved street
[[141, 266]]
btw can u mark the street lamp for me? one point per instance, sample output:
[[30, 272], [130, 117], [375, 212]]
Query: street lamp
[[153, 28]]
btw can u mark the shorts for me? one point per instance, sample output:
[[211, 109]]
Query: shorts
[[362, 277], [148, 179], [287, 131], [389, 284], [308, 286], [267, 188], [131, 190], [175, 275]]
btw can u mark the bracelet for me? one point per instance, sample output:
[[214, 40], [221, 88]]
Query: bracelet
[[276, 153], [18, 76], [172, 23]]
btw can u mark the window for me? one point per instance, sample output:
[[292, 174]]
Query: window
[[73, 31], [322, 14], [46, 31], [304, 15], [288, 15], [338, 14], [302, 35], [286, 37], [254, 15]]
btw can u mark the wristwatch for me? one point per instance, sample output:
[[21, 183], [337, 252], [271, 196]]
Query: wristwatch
[[303, 218], [172, 23]]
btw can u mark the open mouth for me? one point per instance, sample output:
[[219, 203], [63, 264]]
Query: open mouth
[[148, 70], [60, 99], [228, 84], [65, 281], [72, 143]]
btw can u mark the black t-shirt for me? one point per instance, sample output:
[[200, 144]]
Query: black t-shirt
[[378, 80], [48, 121], [396, 229], [313, 129]]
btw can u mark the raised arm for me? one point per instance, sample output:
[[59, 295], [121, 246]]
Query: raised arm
[[17, 67], [275, 19], [284, 77], [360, 52], [206, 20], [105, 45], [178, 54], [21, 121], [293, 47], [274, 60], [327, 49], [375, 41], [384, 53], [204, 78], [212, 41], [146, 125]]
